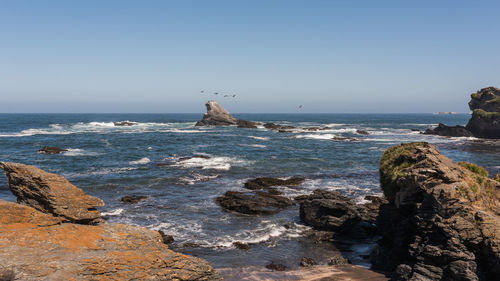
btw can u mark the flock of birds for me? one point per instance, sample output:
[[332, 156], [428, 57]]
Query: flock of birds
[[232, 96]]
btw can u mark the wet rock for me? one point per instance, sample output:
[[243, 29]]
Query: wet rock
[[415, 130], [40, 246], [166, 239], [51, 150], [485, 120], [263, 183], [449, 131], [132, 199], [442, 220], [51, 193], [216, 116], [124, 123], [277, 127], [343, 139], [241, 246], [362, 132], [338, 260], [330, 211], [276, 267], [247, 124], [193, 157], [307, 262], [253, 203], [191, 245]]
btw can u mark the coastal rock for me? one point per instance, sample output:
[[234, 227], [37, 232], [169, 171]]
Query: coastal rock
[[124, 123], [485, 120], [330, 211], [51, 193], [165, 238], [442, 221], [216, 116], [51, 150], [263, 183], [132, 199], [362, 132], [449, 131], [247, 124], [39, 246], [277, 127], [276, 266], [241, 245], [307, 262], [253, 203]]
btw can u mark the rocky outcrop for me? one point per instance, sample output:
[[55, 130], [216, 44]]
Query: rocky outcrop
[[124, 123], [51, 150], [39, 246], [263, 183], [449, 131], [442, 221], [485, 120], [330, 211], [216, 116], [132, 199], [51, 193], [253, 203], [247, 124]]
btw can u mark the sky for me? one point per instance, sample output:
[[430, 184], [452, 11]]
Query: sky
[[329, 56]]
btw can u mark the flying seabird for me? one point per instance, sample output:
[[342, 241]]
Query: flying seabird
[[202, 91], [216, 93], [300, 106]]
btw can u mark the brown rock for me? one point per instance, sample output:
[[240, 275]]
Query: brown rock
[[51, 150], [262, 183], [38, 246], [51, 193], [132, 199], [253, 203]]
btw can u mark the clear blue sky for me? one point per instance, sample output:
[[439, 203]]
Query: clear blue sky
[[330, 56]]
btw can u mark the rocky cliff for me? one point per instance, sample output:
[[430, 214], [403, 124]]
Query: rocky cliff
[[485, 106], [41, 242], [217, 116], [442, 221]]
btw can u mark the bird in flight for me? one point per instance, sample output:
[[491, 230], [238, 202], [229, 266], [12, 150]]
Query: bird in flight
[[202, 91], [226, 96], [234, 96], [216, 93], [300, 106]]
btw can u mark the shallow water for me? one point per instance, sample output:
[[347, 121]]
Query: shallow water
[[110, 162]]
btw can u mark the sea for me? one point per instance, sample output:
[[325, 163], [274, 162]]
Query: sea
[[148, 158]]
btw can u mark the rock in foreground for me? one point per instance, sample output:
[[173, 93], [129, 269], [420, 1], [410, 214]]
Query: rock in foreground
[[51, 193], [485, 106], [442, 221], [38, 246]]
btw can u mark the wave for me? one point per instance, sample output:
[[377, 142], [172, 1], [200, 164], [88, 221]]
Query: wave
[[206, 161], [79, 152], [259, 138], [254, 145], [141, 161], [194, 178], [115, 212], [316, 136]]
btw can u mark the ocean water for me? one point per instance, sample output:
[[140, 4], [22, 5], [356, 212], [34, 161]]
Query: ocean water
[[110, 162]]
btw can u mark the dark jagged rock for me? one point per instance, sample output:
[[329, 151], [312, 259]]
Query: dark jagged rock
[[276, 267], [263, 183], [253, 203], [51, 193], [124, 123], [338, 260], [241, 246], [216, 116], [343, 139], [449, 131], [362, 132], [277, 127], [132, 199], [166, 239], [330, 211], [307, 262], [246, 124], [194, 156], [485, 120], [442, 221], [51, 150]]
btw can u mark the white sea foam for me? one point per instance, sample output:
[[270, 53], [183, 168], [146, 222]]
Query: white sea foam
[[115, 212], [213, 162], [254, 145], [141, 161], [316, 136], [79, 152], [194, 178], [259, 138]]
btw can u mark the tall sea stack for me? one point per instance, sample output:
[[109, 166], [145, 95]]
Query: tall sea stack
[[485, 106]]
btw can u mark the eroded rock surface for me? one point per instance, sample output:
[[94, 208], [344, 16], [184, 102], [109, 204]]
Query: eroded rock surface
[[39, 246], [51, 193], [442, 221], [262, 183], [216, 116], [253, 203], [485, 120]]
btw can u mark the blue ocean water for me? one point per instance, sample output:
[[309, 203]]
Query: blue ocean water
[[111, 161]]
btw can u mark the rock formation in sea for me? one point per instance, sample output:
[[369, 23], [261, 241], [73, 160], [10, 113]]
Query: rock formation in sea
[[485, 120], [442, 221], [51, 150], [449, 131], [216, 116], [39, 241]]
